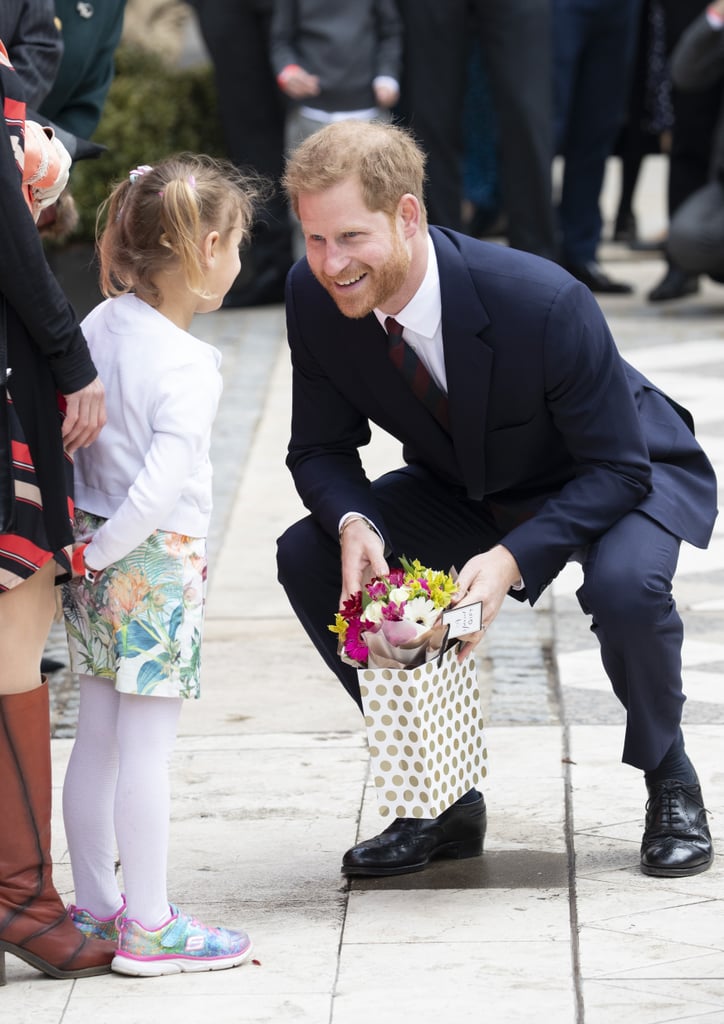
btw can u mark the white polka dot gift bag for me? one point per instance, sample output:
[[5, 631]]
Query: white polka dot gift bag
[[425, 734], [422, 706]]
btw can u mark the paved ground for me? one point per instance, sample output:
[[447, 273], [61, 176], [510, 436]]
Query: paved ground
[[271, 772]]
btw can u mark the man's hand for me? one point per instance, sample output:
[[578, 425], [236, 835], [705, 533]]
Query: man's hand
[[487, 578], [363, 557], [386, 94], [85, 415], [298, 83]]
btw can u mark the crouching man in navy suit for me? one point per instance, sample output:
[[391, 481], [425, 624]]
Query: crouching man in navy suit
[[544, 446]]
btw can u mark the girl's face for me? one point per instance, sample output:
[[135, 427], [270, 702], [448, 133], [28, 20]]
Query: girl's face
[[222, 265]]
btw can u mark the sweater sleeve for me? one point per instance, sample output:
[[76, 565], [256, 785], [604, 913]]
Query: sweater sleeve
[[179, 445], [28, 284], [389, 39], [34, 46], [281, 40], [698, 58]]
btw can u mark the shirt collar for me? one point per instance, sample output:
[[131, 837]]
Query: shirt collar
[[423, 312]]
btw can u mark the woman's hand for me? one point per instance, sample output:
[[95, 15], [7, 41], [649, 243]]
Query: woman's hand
[[85, 415]]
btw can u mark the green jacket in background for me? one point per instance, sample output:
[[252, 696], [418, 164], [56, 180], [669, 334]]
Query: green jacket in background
[[91, 32]]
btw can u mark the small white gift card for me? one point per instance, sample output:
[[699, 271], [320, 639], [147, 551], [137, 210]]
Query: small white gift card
[[463, 619]]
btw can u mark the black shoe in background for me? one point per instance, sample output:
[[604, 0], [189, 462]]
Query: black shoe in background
[[594, 277], [675, 284]]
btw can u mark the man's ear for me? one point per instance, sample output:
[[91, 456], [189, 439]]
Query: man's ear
[[408, 211]]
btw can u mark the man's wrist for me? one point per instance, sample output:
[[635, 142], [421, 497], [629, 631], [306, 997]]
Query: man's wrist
[[357, 517]]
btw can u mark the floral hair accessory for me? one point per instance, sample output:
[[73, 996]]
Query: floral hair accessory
[[393, 620], [138, 172]]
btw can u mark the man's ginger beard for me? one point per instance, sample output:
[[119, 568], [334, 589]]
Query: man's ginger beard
[[379, 284]]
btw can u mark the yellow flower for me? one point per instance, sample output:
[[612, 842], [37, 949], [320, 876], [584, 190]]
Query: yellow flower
[[339, 627]]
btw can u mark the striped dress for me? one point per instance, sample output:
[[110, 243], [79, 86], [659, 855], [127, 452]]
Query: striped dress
[[27, 549]]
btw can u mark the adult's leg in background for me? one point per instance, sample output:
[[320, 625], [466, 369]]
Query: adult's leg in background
[[594, 46], [431, 97], [516, 35], [252, 112], [696, 232]]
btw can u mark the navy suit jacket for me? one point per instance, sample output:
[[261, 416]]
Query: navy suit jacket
[[547, 420]]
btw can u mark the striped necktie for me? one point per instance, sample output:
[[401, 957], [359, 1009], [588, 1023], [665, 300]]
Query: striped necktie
[[416, 373]]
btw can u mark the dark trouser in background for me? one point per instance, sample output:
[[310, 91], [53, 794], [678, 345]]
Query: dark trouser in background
[[252, 118], [594, 47], [696, 232], [514, 35]]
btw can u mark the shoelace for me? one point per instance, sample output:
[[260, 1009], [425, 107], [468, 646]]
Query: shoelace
[[667, 806]]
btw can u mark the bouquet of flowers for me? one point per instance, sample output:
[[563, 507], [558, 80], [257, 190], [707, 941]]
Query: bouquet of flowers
[[394, 621]]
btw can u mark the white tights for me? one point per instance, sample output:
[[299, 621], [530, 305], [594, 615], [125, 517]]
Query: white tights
[[117, 791]]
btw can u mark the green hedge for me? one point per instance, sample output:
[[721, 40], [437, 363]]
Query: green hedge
[[151, 111]]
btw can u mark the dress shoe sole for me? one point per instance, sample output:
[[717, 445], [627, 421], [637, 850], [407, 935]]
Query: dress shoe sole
[[654, 872], [450, 851]]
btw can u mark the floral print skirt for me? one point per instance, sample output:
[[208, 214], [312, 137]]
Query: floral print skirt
[[140, 623]]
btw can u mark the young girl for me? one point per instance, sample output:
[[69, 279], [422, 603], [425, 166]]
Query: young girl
[[170, 249]]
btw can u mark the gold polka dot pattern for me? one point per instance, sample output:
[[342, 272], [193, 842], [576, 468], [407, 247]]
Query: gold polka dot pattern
[[425, 734]]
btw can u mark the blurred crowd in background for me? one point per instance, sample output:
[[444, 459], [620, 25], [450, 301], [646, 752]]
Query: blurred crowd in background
[[519, 104]]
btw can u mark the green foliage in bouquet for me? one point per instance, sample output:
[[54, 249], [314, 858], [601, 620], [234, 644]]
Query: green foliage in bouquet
[[151, 112]]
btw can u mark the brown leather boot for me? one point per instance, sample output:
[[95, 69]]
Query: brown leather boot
[[34, 924]]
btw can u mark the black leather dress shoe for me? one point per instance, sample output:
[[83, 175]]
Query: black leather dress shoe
[[676, 841], [592, 275], [675, 284], [409, 844]]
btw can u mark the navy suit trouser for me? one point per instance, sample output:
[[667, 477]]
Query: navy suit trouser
[[627, 591]]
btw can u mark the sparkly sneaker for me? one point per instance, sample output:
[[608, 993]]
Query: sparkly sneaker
[[182, 944], [96, 927]]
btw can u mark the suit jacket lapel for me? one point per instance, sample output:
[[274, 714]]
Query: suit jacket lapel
[[468, 361]]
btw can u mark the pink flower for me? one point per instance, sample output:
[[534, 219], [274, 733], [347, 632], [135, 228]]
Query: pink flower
[[399, 631], [393, 612], [354, 645], [396, 577], [352, 607]]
